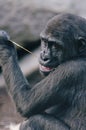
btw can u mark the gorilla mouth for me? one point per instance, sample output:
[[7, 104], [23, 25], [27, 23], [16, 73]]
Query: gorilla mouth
[[45, 69]]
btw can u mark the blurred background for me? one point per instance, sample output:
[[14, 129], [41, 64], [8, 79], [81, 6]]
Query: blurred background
[[24, 20]]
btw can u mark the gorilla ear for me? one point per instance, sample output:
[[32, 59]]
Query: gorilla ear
[[81, 44]]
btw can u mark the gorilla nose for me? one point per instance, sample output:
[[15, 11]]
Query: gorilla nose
[[46, 58]]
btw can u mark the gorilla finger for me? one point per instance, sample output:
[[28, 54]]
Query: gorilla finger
[[4, 35]]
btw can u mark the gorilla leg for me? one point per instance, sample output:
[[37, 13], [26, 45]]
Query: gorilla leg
[[43, 122]]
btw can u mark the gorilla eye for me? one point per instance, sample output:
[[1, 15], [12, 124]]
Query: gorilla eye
[[43, 39], [55, 45], [51, 43]]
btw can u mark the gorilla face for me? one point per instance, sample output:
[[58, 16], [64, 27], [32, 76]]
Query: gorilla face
[[58, 44], [51, 54]]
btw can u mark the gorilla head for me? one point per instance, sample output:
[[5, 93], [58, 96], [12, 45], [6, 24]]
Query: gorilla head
[[61, 40]]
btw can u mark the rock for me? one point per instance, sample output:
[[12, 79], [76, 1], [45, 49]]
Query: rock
[[78, 7], [24, 20]]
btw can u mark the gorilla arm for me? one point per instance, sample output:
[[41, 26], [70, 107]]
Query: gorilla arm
[[32, 101], [47, 93], [28, 100]]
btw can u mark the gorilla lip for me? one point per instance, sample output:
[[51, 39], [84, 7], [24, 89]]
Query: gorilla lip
[[45, 69]]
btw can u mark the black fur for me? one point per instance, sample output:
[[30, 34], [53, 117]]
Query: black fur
[[58, 102]]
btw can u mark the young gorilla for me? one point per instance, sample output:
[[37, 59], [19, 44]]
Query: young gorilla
[[58, 102]]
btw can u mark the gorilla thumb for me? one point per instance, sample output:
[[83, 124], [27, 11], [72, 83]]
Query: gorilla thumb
[[4, 35]]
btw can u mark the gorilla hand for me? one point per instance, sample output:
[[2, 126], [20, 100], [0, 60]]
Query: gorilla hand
[[7, 49]]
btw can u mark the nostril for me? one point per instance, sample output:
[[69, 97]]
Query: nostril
[[46, 59]]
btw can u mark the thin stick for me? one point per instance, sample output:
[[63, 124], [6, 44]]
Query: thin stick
[[22, 47]]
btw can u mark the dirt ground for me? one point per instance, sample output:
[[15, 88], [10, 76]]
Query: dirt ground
[[8, 113]]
